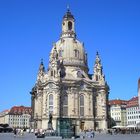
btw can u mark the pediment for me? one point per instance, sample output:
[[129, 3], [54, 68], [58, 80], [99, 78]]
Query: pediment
[[84, 84]]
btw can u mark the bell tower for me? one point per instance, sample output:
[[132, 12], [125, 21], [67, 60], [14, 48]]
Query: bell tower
[[68, 23], [98, 75]]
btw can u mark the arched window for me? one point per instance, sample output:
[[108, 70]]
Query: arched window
[[69, 25], [54, 73], [96, 77], [65, 105], [50, 103], [51, 73], [81, 105], [76, 53]]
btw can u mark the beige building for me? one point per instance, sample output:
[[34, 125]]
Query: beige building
[[4, 117], [17, 117], [118, 111], [133, 112], [76, 99]]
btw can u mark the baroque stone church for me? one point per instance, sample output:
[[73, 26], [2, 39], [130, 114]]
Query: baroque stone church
[[76, 99]]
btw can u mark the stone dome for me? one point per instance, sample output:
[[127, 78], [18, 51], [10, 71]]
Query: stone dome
[[69, 49], [72, 52]]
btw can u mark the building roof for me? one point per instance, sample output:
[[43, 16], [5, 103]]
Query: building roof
[[118, 102], [19, 110], [68, 15], [4, 112], [133, 102]]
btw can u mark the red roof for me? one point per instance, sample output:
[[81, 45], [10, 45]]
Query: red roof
[[133, 102], [118, 102], [19, 110]]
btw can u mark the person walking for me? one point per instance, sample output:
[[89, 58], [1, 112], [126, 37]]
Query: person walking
[[15, 132]]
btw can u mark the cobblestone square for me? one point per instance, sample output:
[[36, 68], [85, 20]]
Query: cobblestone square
[[6, 136]]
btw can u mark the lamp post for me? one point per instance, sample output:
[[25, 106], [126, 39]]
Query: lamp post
[[74, 127]]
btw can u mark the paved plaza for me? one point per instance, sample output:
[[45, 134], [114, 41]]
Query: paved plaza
[[4, 136]]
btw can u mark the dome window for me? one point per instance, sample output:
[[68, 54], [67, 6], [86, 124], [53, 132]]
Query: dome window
[[69, 25], [76, 53], [79, 74]]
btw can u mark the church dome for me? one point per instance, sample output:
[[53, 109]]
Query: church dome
[[69, 49]]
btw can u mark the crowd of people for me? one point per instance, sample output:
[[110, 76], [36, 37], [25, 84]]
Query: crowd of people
[[18, 132], [124, 131]]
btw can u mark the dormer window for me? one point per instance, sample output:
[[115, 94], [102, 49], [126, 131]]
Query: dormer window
[[76, 53], [69, 25]]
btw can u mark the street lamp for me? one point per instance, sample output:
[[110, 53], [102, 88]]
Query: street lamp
[[74, 127]]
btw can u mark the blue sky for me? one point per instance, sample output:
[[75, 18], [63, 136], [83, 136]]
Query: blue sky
[[29, 27]]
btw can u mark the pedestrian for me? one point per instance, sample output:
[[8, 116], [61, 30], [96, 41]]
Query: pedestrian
[[15, 132]]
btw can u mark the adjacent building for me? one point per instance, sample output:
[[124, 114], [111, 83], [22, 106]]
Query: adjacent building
[[133, 112], [76, 99], [17, 117], [118, 111], [4, 117], [139, 93]]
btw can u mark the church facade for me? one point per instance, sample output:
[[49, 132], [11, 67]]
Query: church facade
[[76, 99]]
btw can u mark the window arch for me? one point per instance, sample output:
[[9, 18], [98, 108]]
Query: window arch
[[50, 103], [81, 105], [69, 25]]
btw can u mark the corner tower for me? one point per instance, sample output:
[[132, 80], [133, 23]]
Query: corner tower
[[98, 75]]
